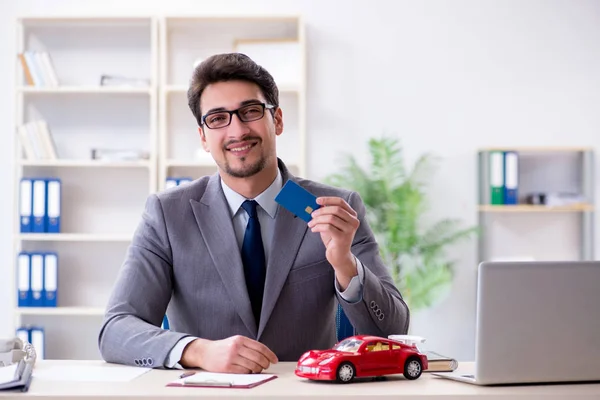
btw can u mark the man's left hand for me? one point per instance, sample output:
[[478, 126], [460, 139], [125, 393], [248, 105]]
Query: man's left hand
[[337, 223]]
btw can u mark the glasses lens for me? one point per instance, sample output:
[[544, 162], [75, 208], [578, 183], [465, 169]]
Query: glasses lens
[[251, 112], [217, 120]]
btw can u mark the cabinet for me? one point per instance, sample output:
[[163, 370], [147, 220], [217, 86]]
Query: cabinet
[[561, 228], [102, 200]]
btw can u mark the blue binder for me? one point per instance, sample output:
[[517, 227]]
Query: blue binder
[[39, 206], [37, 280], [184, 180], [38, 340], [511, 177], [53, 202], [343, 326], [50, 279], [24, 334], [26, 205], [24, 279]]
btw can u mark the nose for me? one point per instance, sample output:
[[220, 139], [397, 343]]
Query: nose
[[237, 128]]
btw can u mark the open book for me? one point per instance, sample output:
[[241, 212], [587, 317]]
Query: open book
[[440, 363], [213, 379]]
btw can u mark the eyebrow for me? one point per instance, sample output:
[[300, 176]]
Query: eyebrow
[[242, 104]]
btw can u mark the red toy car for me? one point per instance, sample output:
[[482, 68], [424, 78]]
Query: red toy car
[[363, 356]]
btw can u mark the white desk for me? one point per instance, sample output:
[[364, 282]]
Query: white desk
[[151, 385]]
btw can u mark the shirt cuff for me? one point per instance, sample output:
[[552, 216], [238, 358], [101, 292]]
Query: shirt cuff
[[353, 292], [177, 351]]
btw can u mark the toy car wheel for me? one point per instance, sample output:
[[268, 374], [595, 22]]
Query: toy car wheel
[[413, 368], [345, 372]]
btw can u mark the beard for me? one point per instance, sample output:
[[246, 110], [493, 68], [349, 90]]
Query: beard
[[246, 170]]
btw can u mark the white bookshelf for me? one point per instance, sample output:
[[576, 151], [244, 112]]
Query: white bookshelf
[[186, 40], [539, 231], [101, 201], [83, 311]]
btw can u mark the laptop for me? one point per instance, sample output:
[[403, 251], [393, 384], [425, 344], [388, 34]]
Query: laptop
[[537, 322]]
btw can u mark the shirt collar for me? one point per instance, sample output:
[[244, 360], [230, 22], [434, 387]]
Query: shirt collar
[[266, 199]]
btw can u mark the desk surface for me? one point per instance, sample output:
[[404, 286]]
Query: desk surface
[[287, 385]]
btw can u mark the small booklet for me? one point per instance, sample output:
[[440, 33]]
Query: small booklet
[[440, 363], [213, 379]]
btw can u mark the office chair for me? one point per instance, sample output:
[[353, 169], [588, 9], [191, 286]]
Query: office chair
[[343, 326]]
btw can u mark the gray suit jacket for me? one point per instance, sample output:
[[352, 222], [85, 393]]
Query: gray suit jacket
[[184, 255]]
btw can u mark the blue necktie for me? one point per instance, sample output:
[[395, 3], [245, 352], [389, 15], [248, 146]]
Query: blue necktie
[[253, 257]]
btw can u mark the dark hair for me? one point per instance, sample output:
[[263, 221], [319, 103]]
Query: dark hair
[[229, 67]]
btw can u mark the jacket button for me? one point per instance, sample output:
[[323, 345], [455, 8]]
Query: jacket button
[[373, 305]]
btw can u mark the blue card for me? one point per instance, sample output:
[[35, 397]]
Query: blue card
[[297, 200]]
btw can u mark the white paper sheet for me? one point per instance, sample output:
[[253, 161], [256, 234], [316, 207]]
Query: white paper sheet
[[218, 379], [89, 373], [7, 374]]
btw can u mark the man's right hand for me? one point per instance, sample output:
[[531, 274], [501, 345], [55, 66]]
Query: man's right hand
[[236, 354]]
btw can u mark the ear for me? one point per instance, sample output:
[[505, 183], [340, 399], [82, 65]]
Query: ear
[[203, 139], [278, 119]]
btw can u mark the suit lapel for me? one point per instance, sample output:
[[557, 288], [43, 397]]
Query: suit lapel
[[214, 220], [287, 236]]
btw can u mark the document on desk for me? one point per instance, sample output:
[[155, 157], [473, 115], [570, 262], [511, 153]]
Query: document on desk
[[213, 379], [8, 374], [83, 373]]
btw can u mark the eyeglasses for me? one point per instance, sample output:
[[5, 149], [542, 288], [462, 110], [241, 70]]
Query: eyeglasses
[[249, 113]]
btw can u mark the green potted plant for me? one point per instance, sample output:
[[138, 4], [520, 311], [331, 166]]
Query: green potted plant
[[396, 201]]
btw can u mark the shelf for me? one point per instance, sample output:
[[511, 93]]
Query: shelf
[[190, 163], [182, 89], [535, 208], [59, 311], [85, 163], [85, 90], [556, 149], [73, 237]]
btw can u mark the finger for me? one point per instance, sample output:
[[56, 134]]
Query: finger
[[334, 220], [336, 201], [254, 356], [246, 363], [341, 212], [237, 369], [261, 348], [328, 228]]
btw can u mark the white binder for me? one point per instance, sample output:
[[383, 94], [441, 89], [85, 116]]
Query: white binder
[[39, 205], [26, 205], [24, 279], [37, 279], [50, 279], [38, 342]]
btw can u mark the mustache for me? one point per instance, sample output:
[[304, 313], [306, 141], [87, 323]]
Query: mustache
[[246, 139]]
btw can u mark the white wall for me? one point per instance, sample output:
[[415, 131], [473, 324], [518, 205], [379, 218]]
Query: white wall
[[445, 76]]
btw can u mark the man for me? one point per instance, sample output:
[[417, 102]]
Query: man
[[247, 283]]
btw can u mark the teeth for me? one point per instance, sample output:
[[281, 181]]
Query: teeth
[[241, 148]]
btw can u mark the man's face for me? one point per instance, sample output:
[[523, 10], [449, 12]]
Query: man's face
[[241, 149]]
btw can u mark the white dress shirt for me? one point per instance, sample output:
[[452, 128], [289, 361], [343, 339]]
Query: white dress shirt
[[266, 217]]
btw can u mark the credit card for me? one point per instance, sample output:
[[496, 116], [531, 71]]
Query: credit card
[[297, 200]]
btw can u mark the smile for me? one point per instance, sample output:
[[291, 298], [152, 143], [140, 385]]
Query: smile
[[242, 148]]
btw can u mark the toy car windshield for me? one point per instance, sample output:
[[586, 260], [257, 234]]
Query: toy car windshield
[[349, 345]]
